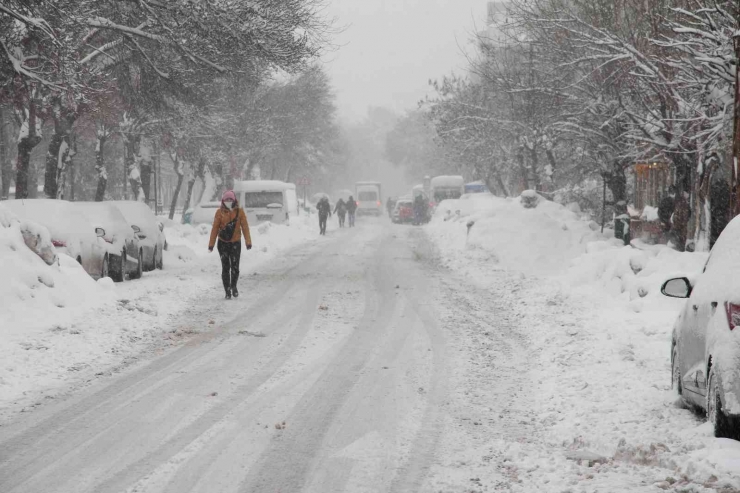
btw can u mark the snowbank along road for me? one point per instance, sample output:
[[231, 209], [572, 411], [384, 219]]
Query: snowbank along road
[[329, 374]]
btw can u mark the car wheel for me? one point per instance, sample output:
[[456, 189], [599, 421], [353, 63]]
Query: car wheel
[[139, 266], [118, 272], [676, 373], [715, 414], [158, 259], [106, 268]]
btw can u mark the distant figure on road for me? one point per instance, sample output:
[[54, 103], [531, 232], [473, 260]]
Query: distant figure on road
[[351, 210], [390, 204], [420, 210], [324, 208], [229, 224], [341, 211]]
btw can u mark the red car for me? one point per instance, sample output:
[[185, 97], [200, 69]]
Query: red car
[[403, 212]]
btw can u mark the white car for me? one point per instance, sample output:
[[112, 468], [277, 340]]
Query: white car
[[148, 229], [71, 233], [705, 347], [124, 251], [204, 213]]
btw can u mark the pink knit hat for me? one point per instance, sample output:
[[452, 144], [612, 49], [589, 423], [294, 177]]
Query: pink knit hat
[[228, 195]]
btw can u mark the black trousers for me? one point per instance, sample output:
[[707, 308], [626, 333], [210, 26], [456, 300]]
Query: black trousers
[[230, 254], [322, 222]]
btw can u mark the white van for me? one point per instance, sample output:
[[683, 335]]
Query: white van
[[447, 187], [267, 200], [368, 198]]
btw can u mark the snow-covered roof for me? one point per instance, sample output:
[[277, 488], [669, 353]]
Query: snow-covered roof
[[448, 181], [261, 186]]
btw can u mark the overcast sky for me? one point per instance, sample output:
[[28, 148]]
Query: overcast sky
[[391, 48]]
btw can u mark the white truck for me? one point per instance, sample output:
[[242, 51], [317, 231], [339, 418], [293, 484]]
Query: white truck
[[369, 198]]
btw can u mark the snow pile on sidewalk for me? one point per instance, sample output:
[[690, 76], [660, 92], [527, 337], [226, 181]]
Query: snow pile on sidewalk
[[552, 237], [37, 301], [599, 335], [59, 327]]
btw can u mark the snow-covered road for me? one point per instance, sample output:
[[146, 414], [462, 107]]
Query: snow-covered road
[[330, 373], [356, 363]]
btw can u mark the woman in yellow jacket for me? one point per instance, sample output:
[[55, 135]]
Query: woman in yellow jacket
[[228, 225]]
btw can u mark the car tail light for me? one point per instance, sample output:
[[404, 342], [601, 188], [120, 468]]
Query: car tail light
[[58, 243], [733, 315], [379, 204], [108, 240]]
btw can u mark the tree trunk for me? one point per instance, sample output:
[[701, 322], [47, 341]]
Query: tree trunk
[[200, 173], [145, 167], [102, 136], [176, 194], [131, 142], [146, 179], [5, 166], [191, 184], [56, 155], [28, 139], [522, 170], [535, 168], [180, 178], [616, 181], [70, 166]]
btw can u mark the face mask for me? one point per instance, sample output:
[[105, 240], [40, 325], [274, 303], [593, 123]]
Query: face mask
[[229, 204]]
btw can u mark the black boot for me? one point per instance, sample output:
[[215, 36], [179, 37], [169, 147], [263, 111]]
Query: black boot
[[228, 294], [235, 292]]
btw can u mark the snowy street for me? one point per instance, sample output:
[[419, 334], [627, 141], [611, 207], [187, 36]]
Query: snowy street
[[331, 371], [376, 359]]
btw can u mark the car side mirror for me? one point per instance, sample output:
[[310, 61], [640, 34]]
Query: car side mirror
[[136, 228], [677, 288], [100, 232]]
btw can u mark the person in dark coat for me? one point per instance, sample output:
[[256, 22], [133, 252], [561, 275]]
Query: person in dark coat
[[351, 210], [324, 208], [420, 209], [341, 211]]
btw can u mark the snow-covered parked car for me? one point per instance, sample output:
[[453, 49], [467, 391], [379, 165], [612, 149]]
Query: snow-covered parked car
[[71, 233], [705, 350], [148, 229], [124, 251], [204, 213]]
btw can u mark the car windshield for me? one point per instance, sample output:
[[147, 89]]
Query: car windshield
[[369, 196], [260, 200], [440, 195]]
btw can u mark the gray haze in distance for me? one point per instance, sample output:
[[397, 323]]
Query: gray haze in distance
[[391, 48]]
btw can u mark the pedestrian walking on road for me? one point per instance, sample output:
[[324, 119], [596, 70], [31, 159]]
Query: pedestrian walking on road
[[229, 224], [324, 208], [351, 210], [341, 211]]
